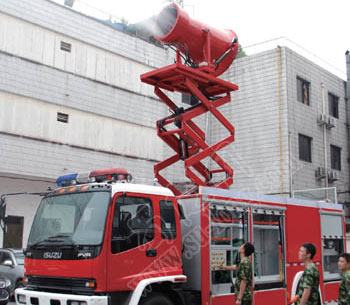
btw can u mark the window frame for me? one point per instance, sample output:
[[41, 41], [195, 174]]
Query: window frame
[[221, 221], [300, 91], [266, 281], [337, 150], [121, 239], [331, 231], [302, 154], [333, 105]]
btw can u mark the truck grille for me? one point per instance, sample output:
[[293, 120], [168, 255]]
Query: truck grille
[[62, 284]]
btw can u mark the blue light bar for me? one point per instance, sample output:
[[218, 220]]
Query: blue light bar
[[67, 180]]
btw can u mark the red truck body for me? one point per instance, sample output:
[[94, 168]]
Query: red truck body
[[190, 237]]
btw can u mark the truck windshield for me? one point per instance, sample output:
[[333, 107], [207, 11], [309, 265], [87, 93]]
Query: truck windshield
[[72, 219]]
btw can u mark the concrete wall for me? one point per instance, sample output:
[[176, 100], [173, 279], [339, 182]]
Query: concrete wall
[[38, 120], [62, 20], [112, 115], [302, 119], [265, 113], [97, 84], [38, 44], [258, 111]]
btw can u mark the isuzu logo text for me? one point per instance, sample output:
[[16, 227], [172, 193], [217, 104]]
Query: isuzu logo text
[[52, 255]]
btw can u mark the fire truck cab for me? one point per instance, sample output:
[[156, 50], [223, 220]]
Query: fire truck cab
[[96, 243]]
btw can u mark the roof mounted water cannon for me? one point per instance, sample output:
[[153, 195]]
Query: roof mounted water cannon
[[202, 46], [207, 53]]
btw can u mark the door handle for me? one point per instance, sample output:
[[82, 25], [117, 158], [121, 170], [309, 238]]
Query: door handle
[[151, 252]]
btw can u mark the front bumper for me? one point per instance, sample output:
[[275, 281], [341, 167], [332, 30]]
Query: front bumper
[[45, 298]]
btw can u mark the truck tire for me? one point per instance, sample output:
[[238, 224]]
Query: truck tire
[[157, 299]]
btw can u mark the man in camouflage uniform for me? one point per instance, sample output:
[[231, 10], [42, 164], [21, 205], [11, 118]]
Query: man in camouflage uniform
[[344, 289], [243, 283], [309, 282]]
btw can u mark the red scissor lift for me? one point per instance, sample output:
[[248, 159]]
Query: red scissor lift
[[187, 139]]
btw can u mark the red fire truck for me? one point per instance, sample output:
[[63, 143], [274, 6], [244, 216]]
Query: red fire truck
[[99, 239], [114, 242]]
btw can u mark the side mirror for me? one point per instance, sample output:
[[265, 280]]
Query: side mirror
[[8, 262]]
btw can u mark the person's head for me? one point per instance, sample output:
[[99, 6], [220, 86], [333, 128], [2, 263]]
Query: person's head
[[247, 249], [143, 211], [307, 251], [344, 262]]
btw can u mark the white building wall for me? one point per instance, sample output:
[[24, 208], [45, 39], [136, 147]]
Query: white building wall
[[112, 115], [38, 120], [97, 84], [265, 113], [258, 111], [30, 41], [62, 20], [302, 119]]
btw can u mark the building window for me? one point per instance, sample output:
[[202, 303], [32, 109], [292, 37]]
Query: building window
[[305, 148], [303, 91], [62, 117], [335, 157], [333, 103], [65, 46]]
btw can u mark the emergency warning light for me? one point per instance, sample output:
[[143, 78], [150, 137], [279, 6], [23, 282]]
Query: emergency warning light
[[67, 180], [102, 175], [199, 43], [108, 174]]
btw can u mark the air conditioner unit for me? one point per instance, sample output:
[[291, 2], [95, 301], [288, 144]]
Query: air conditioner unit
[[322, 119], [330, 122], [332, 175], [320, 173]]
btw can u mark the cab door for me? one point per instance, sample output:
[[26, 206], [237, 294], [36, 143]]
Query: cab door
[[135, 241]]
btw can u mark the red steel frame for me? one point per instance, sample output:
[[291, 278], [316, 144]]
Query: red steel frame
[[187, 139]]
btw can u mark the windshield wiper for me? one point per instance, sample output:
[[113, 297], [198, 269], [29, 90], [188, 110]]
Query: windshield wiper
[[65, 236], [55, 238]]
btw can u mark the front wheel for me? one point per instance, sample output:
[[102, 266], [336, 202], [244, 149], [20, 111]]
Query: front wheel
[[157, 299]]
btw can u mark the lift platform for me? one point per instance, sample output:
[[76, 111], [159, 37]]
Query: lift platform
[[179, 130]]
